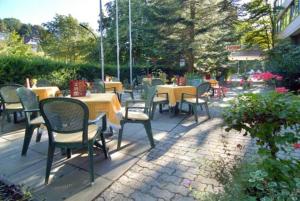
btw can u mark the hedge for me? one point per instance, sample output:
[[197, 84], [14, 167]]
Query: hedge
[[15, 69]]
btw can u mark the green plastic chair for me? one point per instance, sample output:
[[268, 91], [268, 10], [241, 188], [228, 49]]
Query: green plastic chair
[[128, 88], [10, 102], [200, 98], [142, 117], [157, 81], [159, 99], [99, 87], [69, 128], [30, 104]]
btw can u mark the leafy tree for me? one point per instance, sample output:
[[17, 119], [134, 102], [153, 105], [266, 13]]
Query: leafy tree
[[65, 39], [12, 24], [14, 45]]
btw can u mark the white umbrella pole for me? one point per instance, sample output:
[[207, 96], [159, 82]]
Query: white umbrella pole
[[130, 42], [101, 41], [117, 39]]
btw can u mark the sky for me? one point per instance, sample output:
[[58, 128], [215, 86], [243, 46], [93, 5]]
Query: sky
[[41, 11]]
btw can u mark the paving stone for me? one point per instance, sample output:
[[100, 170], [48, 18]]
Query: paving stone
[[164, 194], [137, 195], [179, 197]]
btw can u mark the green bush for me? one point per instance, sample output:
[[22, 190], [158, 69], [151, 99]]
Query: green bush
[[273, 119], [15, 69]]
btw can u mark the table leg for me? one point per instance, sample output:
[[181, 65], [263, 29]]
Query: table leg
[[107, 133]]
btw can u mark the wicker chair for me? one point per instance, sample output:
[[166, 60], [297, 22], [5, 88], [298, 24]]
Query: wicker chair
[[68, 119], [200, 98], [30, 105], [142, 117], [10, 102]]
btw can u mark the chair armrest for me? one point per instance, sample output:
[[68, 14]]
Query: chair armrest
[[94, 121], [32, 110]]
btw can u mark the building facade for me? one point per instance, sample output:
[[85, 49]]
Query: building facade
[[288, 20]]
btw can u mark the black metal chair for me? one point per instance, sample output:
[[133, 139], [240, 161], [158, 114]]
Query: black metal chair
[[30, 104], [69, 128], [142, 117], [10, 102], [200, 98]]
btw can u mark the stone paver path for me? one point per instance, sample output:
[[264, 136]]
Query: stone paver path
[[135, 172]]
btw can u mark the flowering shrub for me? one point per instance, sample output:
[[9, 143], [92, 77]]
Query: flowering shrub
[[281, 90], [266, 76], [273, 119]]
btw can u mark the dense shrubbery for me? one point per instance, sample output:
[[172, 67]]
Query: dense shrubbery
[[284, 59], [14, 69]]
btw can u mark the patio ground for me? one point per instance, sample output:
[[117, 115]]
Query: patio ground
[[135, 172]]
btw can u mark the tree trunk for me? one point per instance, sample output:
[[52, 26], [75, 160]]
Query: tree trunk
[[191, 34]]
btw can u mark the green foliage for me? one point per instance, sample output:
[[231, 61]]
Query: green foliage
[[284, 59], [272, 118], [14, 45], [15, 69], [66, 40]]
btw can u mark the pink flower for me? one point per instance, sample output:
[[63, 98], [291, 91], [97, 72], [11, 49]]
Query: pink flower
[[278, 77], [281, 90], [297, 145]]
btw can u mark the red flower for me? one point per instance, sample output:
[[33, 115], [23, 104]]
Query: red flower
[[297, 145], [281, 90]]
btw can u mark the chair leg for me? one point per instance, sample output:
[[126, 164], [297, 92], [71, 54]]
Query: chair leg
[[15, 117], [2, 121], [51, 149], [69, 153], [120, 135], [27, 139], [195, 112], [38, 135], [148, 128], [207, 110], [160, 108], [132, 96], [91, 160], [103, 145], [153, 111]]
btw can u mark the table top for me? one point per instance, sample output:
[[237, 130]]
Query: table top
[[44, 88], [97, 97], [175, 86]]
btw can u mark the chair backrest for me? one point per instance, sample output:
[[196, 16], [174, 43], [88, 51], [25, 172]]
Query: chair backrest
[[9, 94], [65, 116], [127, 85], [114, 79], [150, 92], [203, 88], [98, 86], [28, 98], [43, 83], [157, 81]]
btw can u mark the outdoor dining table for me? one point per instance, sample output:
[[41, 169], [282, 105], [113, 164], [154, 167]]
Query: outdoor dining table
[[103, 102], [117, 85], [175, 92], [46, 92]]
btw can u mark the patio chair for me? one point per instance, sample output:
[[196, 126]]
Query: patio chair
[[30, 104], [142, 117], [99, 87], [68, 128], [159, 99], [114, 79], [43, 83], [10, 102], [200, 98], [128, 88], [157, 81]]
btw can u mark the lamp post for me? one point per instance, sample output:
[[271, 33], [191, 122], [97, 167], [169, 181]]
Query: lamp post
[[117, 39], [95, 37], [130, 41]]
